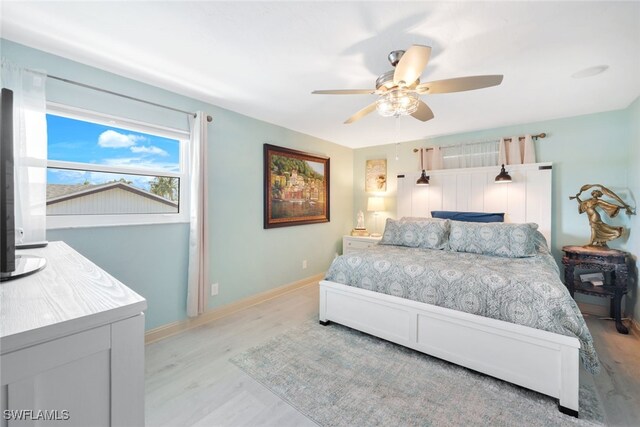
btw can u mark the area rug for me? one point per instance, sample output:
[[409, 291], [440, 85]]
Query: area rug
[[340, 377]]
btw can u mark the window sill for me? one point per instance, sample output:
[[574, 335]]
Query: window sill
[[93, 221]]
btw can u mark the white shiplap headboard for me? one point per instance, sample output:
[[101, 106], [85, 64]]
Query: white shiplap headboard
[[526, 199]]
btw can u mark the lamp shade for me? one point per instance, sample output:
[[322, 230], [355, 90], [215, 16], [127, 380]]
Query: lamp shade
[[375, 204], [503, 177], [424, 179]]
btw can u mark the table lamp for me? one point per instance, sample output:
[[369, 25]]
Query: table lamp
[[375, 205]]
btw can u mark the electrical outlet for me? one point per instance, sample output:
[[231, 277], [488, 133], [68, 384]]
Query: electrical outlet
[[304, 264], [214, 289]]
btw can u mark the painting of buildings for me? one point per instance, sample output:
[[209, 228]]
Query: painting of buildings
[[296, 187]]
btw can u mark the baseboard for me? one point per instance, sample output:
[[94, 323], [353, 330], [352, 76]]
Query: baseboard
[[165, 331], [594, 309], [603, 311]]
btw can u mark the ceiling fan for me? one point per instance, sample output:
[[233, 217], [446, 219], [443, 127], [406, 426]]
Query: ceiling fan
[[399, 90]]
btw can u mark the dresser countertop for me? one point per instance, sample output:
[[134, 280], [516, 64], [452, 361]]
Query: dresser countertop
[[71, 294]]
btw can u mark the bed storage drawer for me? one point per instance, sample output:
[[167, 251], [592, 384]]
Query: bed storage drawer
[[539, 360], [367, 315], [471, 345]]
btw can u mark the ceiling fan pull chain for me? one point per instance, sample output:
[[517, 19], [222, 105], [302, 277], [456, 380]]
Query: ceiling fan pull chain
[[395, 132]]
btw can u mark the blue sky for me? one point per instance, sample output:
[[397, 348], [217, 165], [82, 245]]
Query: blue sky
[[318, 167], [78, 141]]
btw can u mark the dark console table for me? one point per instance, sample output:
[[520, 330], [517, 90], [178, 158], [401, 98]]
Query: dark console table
[[611, 262]]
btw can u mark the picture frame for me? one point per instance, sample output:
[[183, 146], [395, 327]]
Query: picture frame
[[296, 187], [375, 176]]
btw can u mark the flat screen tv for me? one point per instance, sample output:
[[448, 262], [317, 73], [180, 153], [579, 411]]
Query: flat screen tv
[[12, 265]]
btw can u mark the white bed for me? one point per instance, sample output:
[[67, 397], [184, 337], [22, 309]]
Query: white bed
[[538, 360]]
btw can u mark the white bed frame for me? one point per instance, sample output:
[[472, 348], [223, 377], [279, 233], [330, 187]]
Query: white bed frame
[[538, 360]]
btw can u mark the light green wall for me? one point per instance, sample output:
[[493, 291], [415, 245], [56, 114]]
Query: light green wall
[[633, 244], [150, 259], [245, 258], [593, 148]]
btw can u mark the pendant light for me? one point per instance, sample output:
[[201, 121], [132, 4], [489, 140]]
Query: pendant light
[[503, 176], [424, 178]]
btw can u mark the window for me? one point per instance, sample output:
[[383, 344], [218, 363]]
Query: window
[[103, 170]]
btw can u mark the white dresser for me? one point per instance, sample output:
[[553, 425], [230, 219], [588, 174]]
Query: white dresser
[[71, 345], [351, 243]]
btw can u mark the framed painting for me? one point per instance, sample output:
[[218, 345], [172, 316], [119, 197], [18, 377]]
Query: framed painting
[[375, 175], [296, 187]]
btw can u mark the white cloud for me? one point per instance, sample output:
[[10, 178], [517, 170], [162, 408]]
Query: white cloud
[[113, 139], [140, 163], [151, 149]]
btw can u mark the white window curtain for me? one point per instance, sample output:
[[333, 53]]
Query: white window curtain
[[516, 151], [30, 150], [502, 152], [436, 158], [470, 155], [432, 158], [423, 159], [198, 272], [528, 150], [513, 151]]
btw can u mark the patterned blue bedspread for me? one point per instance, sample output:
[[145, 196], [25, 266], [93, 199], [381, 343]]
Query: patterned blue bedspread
[[526, 291]]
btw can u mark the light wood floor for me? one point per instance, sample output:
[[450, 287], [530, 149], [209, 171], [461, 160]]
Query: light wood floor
[[190, 381], [618, 383]]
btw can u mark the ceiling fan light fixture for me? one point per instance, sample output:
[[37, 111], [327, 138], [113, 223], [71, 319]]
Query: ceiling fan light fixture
[[397, 102]]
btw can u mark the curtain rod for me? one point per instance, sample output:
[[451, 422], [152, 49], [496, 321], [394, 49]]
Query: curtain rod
[[540, 135], [209, 118]]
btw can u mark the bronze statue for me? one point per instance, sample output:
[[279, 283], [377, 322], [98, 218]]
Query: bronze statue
[[601, 233]]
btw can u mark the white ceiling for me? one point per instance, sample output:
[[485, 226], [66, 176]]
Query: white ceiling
[[263, 59]]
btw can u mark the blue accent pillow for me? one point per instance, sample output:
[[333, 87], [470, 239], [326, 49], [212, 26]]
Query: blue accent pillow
[[469, 216]]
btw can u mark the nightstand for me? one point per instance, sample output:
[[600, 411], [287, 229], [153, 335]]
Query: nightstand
[[352, 243], [612, 263]]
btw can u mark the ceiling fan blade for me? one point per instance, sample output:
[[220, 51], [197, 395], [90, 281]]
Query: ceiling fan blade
[[360, 114], [423, 113], [344, 92], [411, 65], [459, 84]]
